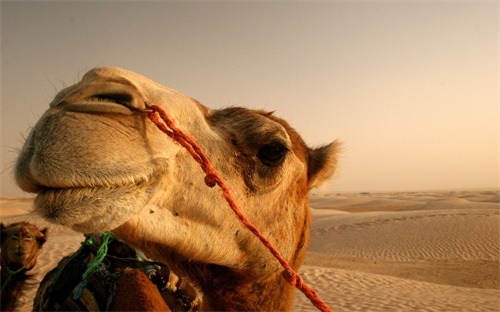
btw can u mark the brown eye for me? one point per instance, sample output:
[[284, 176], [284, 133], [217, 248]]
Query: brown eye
[[272, 155]]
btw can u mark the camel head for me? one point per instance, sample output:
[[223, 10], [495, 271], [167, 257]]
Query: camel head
[[97, 163], [21, 243]]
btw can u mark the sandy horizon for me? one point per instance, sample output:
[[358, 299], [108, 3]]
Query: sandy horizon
[[399, 251]]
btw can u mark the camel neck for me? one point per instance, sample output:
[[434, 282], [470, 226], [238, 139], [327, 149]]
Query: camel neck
[[12, 285], [227, 290]]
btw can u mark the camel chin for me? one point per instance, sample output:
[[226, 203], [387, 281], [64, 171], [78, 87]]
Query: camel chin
[[90, 210], [18, 256]]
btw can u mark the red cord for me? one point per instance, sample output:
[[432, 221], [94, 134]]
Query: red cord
[[211, 179]]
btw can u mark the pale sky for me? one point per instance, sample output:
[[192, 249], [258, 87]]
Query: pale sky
[[411, 88]]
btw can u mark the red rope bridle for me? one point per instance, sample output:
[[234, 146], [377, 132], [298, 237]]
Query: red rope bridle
[[212, 179]]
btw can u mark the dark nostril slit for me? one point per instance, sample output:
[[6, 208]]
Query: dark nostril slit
[[113, 98], [118, 98]]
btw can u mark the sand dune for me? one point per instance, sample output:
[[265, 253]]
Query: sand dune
[[407, 251], [461, 234], [14, 206], [350, 290]]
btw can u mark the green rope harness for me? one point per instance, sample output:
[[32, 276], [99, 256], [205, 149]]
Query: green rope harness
[[101, 253], [92, 267]]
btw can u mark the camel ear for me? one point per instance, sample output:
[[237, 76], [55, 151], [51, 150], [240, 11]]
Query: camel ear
[[42, 239], [322, 164]]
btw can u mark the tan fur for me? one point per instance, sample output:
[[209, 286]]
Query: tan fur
[[137, 293], [99, 165]]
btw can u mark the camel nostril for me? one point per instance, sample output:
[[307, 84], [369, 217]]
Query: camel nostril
[[119, 103], [118, 98], [103, 96], [123, 99]]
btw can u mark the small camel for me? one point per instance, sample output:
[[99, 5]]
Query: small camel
[[21, 243], [97, 164]]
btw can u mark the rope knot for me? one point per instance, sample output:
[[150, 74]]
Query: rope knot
[[211, 180], [290, 276]]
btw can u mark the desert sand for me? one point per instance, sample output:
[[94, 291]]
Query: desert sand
[[406, 251]]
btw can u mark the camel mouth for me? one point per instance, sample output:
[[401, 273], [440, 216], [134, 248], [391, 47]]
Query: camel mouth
[[59, 193], [128, 178], [95, 202], [21, 256], [91, 186]]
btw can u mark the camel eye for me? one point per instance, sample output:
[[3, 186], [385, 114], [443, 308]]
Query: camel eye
[[272, 155]]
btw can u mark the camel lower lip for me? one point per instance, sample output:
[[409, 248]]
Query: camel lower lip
[[52, 202], [91, 209]]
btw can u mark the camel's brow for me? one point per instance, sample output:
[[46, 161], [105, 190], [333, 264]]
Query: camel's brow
[[255, 126]]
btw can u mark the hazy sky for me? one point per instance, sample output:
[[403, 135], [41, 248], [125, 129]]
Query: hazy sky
[[412, 89]]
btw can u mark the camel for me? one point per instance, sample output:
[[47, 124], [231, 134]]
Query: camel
[[21, 243], [97, 164]]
